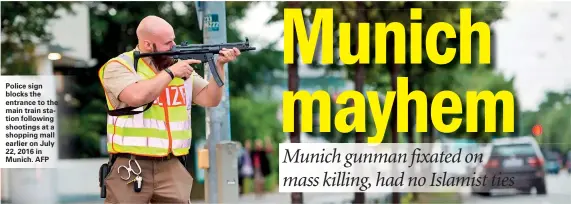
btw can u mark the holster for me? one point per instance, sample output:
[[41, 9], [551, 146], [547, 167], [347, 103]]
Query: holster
[[182, 160], [104, 171]]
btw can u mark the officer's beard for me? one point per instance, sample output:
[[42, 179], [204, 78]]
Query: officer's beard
[[161, 62]]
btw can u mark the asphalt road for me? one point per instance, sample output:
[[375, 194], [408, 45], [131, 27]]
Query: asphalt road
[[558, 192]]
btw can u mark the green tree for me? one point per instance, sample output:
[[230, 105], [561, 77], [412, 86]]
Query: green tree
[[479, 80], [23, 26], [553, 116]]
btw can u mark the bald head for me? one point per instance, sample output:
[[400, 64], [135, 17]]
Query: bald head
[[154, 31]]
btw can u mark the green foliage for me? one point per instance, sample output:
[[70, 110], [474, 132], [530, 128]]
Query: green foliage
[[253, 120], [553, 115], [253, 70], [478, 80], [23, 25]]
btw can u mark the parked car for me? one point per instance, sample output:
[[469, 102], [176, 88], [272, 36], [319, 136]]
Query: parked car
[[553, 162], [517, 157]]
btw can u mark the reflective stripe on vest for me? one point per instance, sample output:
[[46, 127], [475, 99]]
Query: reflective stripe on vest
[[127, 59], [164, 127]]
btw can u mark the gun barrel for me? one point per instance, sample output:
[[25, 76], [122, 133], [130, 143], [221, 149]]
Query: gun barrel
[[205, 46], [245, 44], [247, 49], [199, 48], [210, 48]]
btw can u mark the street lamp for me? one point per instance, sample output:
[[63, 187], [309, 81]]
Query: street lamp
[[55, 52], [47, 55], [54, 56]]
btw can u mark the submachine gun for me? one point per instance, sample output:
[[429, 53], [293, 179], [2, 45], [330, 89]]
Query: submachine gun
[[203, 52]]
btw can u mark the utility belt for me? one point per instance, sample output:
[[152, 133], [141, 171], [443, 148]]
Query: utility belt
[[105, 168]]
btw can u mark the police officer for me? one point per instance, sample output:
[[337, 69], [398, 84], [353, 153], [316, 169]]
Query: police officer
[[148, 145]]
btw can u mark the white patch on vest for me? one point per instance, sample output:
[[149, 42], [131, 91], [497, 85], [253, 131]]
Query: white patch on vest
[[142, 141], [138, 119], [188, 96], [168, 96], [182, 91], [158, 102], [177, 100]]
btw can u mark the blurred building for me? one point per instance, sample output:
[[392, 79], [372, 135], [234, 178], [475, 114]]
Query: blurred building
[[71, 43]]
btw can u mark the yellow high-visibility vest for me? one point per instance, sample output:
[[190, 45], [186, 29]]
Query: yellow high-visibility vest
[[164, 128]]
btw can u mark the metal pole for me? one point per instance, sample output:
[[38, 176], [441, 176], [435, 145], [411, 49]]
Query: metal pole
[[218, 118]]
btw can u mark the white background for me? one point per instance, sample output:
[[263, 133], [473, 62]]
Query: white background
[[47, 92]]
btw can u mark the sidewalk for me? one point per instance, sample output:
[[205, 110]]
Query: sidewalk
[[313, 198]]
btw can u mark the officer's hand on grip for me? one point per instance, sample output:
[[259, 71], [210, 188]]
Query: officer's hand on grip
[[182, 68]]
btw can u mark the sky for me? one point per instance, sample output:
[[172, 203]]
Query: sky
[[527, 48]]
